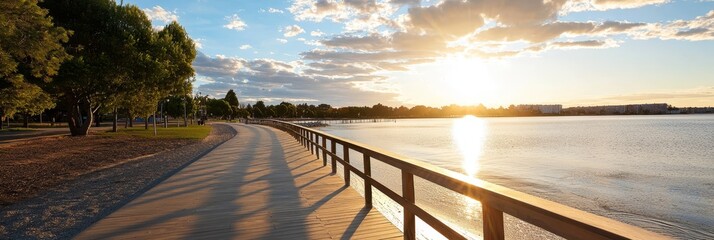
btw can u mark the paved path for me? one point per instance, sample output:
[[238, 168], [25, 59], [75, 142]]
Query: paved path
[[13, 136], [262, 184]]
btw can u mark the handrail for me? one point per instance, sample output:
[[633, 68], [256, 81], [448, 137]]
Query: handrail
[[495, 200]]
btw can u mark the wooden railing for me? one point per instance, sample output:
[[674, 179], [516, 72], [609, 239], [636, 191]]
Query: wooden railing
[[495, 200]]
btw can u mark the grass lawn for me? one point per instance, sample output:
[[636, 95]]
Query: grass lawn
[[190, 132]]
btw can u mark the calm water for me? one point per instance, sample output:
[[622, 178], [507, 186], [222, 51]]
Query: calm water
[[656, 172]]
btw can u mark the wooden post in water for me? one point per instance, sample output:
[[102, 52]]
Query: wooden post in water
[[333, 149], [346, 154], [408, 194], [492, 223], [324, 154], [367, 181]]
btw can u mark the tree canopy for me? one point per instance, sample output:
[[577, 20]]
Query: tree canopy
[[31, 53], [119, 60]]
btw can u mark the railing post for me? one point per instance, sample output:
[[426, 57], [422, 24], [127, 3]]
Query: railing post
[[367, 181], [312, 151], [317, 146], [492, 223], [346, 154], [408, 195], [324, 153], [333, 149]]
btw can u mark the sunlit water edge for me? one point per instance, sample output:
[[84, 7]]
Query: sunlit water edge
[[465, 216]]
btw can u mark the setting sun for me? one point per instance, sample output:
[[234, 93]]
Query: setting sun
[[469, 80]]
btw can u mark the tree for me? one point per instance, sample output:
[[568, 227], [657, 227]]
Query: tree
[[219, 108], [108, 43], [119, 60], [249, 111], [179, 106], [30, 54], [25, 98], [232, 100]]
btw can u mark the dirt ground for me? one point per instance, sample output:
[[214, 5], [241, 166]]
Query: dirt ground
[[30, 167]]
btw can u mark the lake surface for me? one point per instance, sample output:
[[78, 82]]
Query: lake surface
[[656, 172]]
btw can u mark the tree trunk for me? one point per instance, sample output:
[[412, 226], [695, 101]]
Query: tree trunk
[[115, 120], [99, 119], [26, 121], [146, 123], [2, 120], [77, 125], [131, 120]]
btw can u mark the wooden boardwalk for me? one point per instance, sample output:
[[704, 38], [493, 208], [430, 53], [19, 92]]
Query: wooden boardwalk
[[262, 184]]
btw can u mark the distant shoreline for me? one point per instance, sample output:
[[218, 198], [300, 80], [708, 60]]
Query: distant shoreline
[[459, 116]]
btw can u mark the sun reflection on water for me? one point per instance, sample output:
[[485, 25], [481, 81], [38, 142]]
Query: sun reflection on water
[[469, 134]]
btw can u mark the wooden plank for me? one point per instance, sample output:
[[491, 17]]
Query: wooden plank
[[248, 188]]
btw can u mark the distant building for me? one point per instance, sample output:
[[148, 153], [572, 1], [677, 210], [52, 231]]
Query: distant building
[[654, 108], [544, 109]]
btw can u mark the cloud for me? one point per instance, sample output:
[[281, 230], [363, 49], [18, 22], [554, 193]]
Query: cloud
[[317, 33], [317, 10], [699, 29], [357, 15], [584, 44], [548, 31], [369, 43], [272, 10], [217, 66], [293, 30], [603, 5], [282, 40], [405, 2], [310, 42], [198, 42], [275, 81], [235, 23], [245, 47], [158, 13]]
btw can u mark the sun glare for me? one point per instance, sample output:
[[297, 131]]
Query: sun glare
[[469, 134], [469, 81]]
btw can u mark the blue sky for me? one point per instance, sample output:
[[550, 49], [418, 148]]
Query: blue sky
[[410, 52]]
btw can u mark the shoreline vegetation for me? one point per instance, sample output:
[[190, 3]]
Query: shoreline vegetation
[[286, 110]]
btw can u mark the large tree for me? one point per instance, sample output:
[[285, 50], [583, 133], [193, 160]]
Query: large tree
[[108, 41], [119, 60], [218, 108], [232, 100], [30, 54]]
